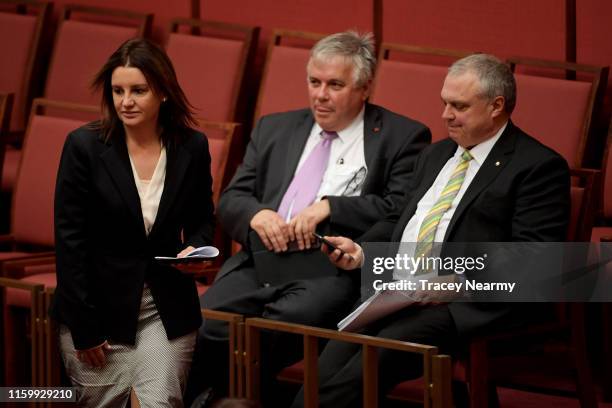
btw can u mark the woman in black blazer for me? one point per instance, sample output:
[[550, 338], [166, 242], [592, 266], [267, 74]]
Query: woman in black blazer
[[133, 186]]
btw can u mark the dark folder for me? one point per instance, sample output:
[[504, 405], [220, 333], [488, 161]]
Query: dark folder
[[276, 269]]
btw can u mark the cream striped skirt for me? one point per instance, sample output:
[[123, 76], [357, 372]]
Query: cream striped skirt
[[155, 367]]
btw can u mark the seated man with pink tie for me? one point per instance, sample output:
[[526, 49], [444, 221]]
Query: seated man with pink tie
[[336, 168]]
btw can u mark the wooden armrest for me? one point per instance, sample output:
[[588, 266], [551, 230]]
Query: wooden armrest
[[19, 284], [434, 392], [236, 348], [582, 172], [18, 268]]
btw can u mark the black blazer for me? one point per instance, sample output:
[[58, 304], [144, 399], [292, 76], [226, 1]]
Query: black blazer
[[391, 145], [104, 257], [520, 194]]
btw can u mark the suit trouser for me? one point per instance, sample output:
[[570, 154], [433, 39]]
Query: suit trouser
[[340, 376], [317, 302]]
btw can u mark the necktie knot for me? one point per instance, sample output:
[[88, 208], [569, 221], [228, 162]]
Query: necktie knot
[[466, 155], [328, 136]]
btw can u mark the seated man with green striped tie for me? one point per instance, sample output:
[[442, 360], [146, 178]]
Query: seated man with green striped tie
[[488, 182]]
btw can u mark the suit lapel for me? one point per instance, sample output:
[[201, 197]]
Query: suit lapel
[[372, 129], [117, 163], [430, 168], [296, 143], [495, 162], [177, 162]]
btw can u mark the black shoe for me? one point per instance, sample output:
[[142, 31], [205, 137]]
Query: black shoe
[[205, 399]]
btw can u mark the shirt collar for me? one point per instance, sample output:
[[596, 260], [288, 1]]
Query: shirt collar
[[482, 150], [345, 134]]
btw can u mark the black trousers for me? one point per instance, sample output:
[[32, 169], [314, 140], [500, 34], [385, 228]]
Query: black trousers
[[340, 376], [318, 302]]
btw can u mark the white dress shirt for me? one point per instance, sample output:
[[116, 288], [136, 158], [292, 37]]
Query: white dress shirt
[[479, 154], [346, 159], [411, 232], [150, 191]]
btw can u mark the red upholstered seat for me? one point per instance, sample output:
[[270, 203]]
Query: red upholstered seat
[[81, 48], [211, 66], [20, 72], [283, 84], [16, 37], [412, 90], [33, 195], [210, 87], [19, 45], [409, 80], [221, 143], [553, 111], [85, 38], [201, 288], [13, 255], [601, 232], [12, 157], [559, 112], [32, 211]]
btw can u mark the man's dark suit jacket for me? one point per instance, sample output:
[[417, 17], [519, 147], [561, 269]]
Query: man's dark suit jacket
[[104, 256], [391, 144], [521, 193]]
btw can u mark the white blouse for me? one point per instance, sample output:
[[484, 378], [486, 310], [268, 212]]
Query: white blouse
[[150, 191]]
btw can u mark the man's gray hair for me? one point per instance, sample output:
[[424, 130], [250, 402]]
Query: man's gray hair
[[358, 49], [495, 77]]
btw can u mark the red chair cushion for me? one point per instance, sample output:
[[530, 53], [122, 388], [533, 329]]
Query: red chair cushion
[[16, 36], [600, 232], [5, 256]]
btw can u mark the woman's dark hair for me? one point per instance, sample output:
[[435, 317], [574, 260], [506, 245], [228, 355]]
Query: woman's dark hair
[[175, 114]]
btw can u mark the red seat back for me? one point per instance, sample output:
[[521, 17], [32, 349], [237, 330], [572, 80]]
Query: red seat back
[[19, 45], [211, 69], [221, 138], [32, 216], [412, 90], [409, 80], [82, 45], [283, 83], [607, 179], [558, 111], [553, 111]]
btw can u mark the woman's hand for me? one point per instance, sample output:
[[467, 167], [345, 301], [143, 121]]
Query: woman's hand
[[190, 268], [94, 356]]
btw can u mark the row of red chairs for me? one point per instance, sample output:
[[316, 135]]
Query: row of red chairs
[[558, 110], [212, 59]]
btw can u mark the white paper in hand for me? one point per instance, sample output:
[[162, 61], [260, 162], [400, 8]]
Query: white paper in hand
[[200, 254]]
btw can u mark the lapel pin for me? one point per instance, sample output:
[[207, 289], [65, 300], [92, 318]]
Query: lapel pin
[[497, 164], [341, 161], [376, 129]]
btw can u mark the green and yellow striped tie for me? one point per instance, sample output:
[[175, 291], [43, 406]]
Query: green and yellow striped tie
[[427, 232]]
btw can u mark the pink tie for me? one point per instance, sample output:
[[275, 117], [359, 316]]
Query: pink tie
[[305, 184]]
